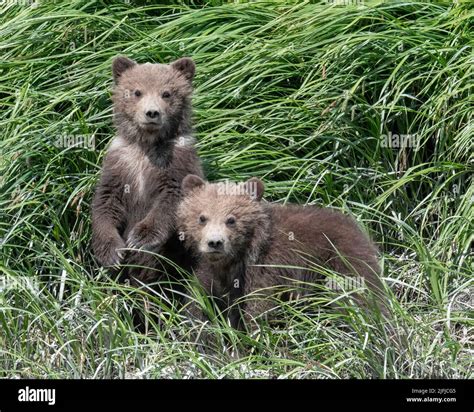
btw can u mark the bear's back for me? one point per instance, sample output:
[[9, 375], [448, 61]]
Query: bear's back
[[304, 234]]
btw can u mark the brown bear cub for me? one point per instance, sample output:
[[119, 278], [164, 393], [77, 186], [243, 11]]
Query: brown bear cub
[[244, 245], [137, 196]]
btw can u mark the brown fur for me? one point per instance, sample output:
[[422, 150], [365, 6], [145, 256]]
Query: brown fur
[[140, 185], [266, 234]]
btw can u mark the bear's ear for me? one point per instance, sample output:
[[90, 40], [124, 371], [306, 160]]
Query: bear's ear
[[119, 65], [185, 66], [255, 188], [191, 182]]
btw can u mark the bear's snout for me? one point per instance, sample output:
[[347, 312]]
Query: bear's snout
[[152, 114], [217, 244], [213, 241], [151, 111]]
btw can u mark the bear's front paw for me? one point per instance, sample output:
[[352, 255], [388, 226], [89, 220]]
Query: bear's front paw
[[109, 253], [144, 235]]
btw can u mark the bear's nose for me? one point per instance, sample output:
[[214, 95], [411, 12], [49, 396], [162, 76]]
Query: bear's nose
[[152, 114], [215, 244]]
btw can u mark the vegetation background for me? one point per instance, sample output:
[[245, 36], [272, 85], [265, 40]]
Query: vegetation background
[[365, 106]]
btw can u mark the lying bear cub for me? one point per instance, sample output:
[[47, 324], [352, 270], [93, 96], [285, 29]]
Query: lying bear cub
[[244, 245]]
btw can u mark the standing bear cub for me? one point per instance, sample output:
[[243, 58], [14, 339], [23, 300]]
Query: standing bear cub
[[136, 198], [244, 245]]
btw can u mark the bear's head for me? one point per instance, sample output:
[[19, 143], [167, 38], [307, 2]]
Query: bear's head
[[225, 221], [152, 98]]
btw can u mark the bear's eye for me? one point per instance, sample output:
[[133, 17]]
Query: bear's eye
[[138, 93], [166, 95], [230, 221], [202, 219]]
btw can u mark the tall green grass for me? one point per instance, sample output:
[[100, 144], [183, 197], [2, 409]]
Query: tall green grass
[[301, 95]]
